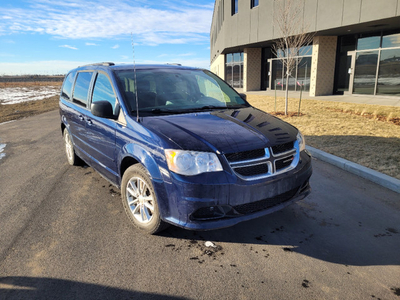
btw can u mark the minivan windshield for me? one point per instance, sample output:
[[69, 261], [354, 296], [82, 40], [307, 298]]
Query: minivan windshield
[[170, 90]]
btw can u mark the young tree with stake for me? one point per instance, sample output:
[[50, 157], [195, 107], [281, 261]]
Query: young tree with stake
[[293, 32]]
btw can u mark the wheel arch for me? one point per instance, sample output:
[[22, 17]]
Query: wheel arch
[[126, 162], [63, 127], [64, 124], [133, 154]]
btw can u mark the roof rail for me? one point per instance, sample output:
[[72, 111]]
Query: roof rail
[[173, 64], [107, 64]]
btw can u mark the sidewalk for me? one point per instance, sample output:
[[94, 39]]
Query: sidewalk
[[361, 99]]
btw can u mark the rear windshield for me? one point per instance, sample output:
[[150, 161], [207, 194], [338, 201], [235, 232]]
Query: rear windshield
[[176, 91]]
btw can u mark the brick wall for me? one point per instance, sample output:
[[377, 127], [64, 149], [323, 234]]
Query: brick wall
[[323, 65], [252, 69]]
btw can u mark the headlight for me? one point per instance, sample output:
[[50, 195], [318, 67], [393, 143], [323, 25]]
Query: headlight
[[192, 162], [302, 141]]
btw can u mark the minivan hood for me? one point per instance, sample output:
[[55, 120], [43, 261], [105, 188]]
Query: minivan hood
[[226, 131]]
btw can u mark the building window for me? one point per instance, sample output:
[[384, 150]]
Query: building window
[[377, 66], [234, 69], [235, 8], [390, 41], [365, 72], [371, 42], [389, 73], [253, 3], [300, 77]]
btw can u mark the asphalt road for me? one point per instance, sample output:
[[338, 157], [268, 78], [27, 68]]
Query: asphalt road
[[64, 235]]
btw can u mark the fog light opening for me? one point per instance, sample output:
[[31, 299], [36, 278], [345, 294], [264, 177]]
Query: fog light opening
[[211, 212]]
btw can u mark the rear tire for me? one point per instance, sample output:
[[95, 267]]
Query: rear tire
[[140, 201], [72, 158]]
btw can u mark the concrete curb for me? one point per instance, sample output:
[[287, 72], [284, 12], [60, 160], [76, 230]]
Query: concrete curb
[[364, 172]]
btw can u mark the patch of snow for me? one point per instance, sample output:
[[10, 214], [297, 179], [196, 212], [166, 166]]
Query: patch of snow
[[2, 146], [22, 94], [7, 122]]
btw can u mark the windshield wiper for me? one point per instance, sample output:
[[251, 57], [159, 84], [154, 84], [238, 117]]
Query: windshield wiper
[[212, 107], [160, 111], [166, 111], [206, 107], [221, 107], [163, 111]]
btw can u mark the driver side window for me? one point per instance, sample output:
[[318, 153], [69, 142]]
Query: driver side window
[[210, 89], [103, 90]]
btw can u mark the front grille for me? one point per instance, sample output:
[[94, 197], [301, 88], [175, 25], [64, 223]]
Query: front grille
[[252, 170], [245, 155], [259, 163], [283, 163], [282, 148], [253, 207]]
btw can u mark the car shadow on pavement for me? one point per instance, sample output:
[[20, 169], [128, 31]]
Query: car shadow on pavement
[[19, 287], [304, 229]]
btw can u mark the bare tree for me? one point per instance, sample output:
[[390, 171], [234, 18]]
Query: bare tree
[[293, 31]]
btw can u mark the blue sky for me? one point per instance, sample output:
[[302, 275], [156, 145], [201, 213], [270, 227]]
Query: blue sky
[[52, 37]]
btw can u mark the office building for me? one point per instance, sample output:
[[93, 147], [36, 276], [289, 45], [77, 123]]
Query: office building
[[355, 47]]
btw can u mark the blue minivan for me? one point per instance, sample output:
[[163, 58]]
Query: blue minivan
[[182, 145]]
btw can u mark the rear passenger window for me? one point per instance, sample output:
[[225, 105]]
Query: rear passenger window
[[103, 90], [82, 87], [67, 86]]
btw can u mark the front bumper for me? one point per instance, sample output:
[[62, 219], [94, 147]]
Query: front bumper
[[221, 199]]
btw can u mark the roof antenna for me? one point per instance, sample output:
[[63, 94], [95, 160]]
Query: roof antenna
[[136, 87]]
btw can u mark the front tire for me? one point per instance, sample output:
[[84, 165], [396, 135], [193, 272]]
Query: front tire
[[140, 201]]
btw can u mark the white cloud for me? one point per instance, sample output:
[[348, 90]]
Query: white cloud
[[69, 47], [182, 22], [91, 44], [2, 54], [115, 47], [187, 54], [40, 67], [197, 63]]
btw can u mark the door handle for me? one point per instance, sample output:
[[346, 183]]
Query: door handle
[[89, 121], [81, 118]]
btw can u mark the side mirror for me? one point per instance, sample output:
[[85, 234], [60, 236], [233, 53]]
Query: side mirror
[[102, 109], [243, 96]]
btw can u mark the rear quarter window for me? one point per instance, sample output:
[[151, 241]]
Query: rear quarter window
[[81, 89], [66, 91]]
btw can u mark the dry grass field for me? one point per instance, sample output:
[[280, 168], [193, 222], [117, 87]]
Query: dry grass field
[[365, 134], [31, 84], [9, 112], [17, 111]]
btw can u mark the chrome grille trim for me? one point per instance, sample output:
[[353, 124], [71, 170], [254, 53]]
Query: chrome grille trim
[[249, 162], [270, 159]]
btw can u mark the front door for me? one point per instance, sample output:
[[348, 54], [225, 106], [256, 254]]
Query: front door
[[101, 131]]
